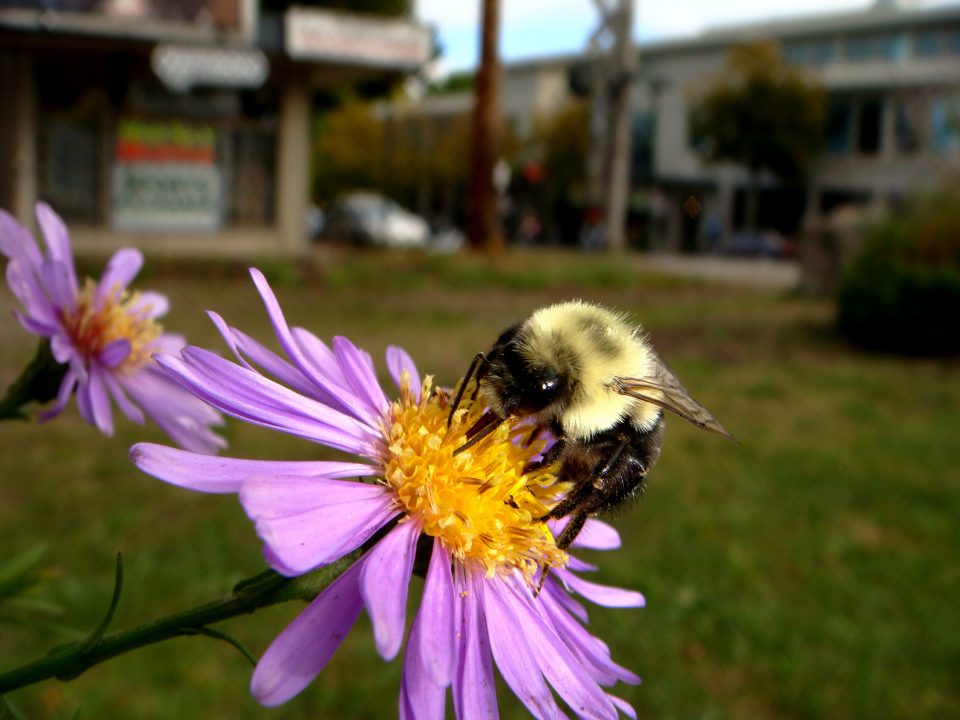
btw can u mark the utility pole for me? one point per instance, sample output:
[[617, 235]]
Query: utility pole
[[482, 223], [613, 57]]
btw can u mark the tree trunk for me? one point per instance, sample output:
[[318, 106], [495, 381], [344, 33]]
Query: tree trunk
[[482, 223], [618, 180]]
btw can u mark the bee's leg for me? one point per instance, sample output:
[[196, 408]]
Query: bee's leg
[[601, 472], [590, 496], [580, 496], [534, 434], [568, 535], [548, 459], [473, 369], [572, 529]]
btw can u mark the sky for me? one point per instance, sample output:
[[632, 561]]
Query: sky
[[535, 28]]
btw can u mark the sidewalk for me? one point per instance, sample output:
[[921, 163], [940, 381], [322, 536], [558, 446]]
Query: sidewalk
[[759, 272]]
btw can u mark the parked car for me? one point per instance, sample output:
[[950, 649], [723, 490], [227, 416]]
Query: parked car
[[766, 243], [372, 220]]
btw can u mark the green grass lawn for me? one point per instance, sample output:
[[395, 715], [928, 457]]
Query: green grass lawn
[[809, 570]]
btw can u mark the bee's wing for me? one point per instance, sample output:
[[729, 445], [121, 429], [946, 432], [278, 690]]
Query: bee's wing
[[675, 397]]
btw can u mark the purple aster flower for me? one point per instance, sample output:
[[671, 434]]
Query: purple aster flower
[[474, 513], [103, 333]]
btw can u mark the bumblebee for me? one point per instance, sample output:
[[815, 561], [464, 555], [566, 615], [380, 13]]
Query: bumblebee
[[591, 377]]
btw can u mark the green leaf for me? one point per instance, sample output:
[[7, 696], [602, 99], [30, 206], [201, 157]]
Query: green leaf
[[39, 382], [98, 633], [17, 574]]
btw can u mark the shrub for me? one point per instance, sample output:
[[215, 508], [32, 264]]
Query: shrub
[[901, 293]]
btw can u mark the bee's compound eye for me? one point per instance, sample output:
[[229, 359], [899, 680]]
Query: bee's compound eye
[[544, 386], [549, 386]]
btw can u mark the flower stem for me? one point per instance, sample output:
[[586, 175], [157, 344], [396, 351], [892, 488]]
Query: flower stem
[[268, 588], [38, 382]]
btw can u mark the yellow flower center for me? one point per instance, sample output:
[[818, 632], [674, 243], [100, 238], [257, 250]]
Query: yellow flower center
[[478, 502], [119, 318]]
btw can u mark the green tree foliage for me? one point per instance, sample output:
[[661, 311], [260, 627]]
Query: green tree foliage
[[421, 161], [901, 293], [762, 113], [559, 143], [563, 141], [459, 82], [348, 152]]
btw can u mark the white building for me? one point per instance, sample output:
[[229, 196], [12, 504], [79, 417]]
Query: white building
[[892, 77]]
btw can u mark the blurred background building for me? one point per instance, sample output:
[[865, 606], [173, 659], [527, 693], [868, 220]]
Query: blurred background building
[[183, 123], [892, 78], [218, 125], [891, 75]]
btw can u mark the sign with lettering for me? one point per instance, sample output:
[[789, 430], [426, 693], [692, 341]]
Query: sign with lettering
[[165, 178], [363, 40]]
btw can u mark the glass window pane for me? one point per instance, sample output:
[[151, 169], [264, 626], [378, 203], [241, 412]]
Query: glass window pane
[[868, 127]]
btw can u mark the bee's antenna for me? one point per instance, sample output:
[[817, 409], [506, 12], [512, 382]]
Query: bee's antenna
[[471, 371], [487, 423]]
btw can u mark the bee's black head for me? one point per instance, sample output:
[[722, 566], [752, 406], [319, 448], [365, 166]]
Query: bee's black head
[[524, 387]]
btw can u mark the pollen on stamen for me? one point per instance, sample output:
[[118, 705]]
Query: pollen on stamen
[[121, 316], [478, 503]]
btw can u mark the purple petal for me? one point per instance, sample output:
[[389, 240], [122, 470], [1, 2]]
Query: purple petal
[[566, 601], [25, 283], [437, 648], [601, 594], [56, 282], [360, 374], [151, 304], [114, 353], [474, 691], [249, 396], [120, 270], [302, 650], [58, 241], [243, 346], [399, 362], [512, 654], [337, 388], [227, 333], [575, 563], [289, 344], [16, 242], [309, 522], [592, 653], [120, 397], [555, 659], [183, 417], [62, 348], [320, 355], [36, 327], [94, 403], [384, 583], [598, 535], [67, 386], [623, 706], [420, 696], [169, 344], [212, 474]]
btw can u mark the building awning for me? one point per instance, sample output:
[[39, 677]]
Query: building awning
[[182, 67], [324, 36]]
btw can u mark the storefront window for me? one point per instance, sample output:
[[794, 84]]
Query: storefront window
[[68, 167]]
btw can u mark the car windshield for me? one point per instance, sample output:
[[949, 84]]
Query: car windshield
[[366, 208]]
